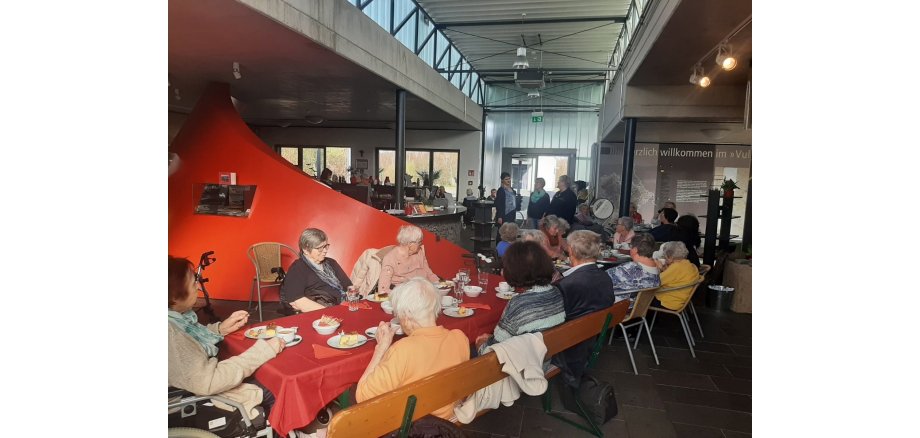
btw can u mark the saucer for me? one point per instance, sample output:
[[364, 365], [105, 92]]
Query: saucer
[[295, 341]]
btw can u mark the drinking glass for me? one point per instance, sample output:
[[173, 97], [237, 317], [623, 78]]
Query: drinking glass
[[483, 278], [352, 296], [458, 291]]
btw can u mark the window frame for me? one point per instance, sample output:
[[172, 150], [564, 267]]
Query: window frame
[[431, 152], [300, 147]]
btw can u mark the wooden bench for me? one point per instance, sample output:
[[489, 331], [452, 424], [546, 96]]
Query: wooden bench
[[382, 414]]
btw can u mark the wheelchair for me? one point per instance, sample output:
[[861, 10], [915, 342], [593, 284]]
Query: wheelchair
[[192, 416]]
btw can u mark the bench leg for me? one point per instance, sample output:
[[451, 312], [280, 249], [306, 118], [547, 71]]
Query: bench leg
[[592, 428]]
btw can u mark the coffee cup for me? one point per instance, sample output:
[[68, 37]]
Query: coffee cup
[[286, 335], [448, 301], [504, 287]]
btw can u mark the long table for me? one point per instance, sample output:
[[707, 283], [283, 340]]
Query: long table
[[303, 384]]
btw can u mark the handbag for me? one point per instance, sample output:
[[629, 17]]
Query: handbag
[[596, 397]]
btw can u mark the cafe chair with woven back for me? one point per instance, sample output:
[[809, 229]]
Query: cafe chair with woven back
[[680, 313], [637, 317], [266, 258]]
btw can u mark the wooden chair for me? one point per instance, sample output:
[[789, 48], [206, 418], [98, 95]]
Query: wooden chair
[[266, 256], [681, 315], [380, 415], [637, 317]]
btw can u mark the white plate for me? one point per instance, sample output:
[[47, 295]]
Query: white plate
[[334, 342], [506, 296], [295, 341], [396, 211], [251, 332], [452, 312], [373, 297], [371, 332]]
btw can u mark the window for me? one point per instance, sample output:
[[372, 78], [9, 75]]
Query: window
[[313, 159], [442, 166]]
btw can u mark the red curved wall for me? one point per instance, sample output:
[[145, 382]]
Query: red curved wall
[[215, 139]]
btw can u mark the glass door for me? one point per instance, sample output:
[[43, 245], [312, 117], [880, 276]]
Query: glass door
[[526, 168]]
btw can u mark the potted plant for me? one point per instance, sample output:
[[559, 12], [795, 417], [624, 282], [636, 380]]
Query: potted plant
[[728, 188]]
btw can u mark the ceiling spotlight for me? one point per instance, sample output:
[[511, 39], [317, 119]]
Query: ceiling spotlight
[[725, 59], [698, 77], [236, 70], [520, 61], [533, 93]]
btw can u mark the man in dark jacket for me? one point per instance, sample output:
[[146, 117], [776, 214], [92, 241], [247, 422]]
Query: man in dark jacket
[[585, 289], [505, 203], [564, 201], [667, 231]]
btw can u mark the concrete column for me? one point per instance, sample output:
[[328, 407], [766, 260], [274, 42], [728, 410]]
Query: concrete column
[[400, 147]]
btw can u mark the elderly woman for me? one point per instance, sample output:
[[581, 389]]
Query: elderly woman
[[553, 228], [539, 307], [427, 349], [624, 232], [313, 281], [508, 232], [675, 271], [539, 203], [564, 201], [640, 273], [405, 261], [193, 363]]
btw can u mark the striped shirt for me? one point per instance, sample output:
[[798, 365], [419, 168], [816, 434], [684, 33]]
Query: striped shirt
[[536, 310]]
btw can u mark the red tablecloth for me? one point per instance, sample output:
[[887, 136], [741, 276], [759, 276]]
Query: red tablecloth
[[303, 384]]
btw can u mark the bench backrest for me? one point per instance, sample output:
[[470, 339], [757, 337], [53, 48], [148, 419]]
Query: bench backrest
[[383, 414]]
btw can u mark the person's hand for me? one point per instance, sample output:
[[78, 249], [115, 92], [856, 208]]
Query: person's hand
[[276, 343], [482, 339], [233, 322], [385, 334]]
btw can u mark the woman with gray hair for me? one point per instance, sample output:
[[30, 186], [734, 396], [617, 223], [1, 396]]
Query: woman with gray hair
[[624, 232], [564, 201], [428, 348], [405, 261], [313, 281], [640, 273], [675, 271], [554, 228], [508, 232]]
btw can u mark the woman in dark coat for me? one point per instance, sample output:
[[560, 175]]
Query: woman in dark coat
[[564, 201]]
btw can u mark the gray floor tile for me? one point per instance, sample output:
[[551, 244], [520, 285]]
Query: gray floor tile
[[741, 350], [709, 417], [693, 431], [702, 397], [730, 384], [686, 380], [734, 434], [739, 372], [690, 365], [505, 420], [631, 389], [538, 424], [644, 422]]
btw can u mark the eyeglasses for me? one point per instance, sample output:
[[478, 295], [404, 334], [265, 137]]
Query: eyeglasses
[[323, 247]]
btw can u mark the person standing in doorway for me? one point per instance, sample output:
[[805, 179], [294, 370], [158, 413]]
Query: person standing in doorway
[[539, 203], [505, 203], [564, 201]]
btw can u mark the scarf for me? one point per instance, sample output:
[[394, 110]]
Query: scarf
[[188, 323], [326, 274], [536, 195]]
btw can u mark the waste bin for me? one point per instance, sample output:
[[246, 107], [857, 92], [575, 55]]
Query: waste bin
[[719, 298]]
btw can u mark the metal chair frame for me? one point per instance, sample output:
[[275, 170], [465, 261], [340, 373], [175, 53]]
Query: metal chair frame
[[681, 314], [263, 274], [637, 315]]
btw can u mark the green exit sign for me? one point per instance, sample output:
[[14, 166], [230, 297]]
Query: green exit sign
[[536, 116]]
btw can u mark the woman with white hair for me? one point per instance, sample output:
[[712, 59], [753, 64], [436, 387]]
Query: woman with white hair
[[428, 348], [405, 261], [624, 231], [554, 228], [675, 271]]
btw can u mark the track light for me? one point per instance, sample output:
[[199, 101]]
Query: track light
[[236, 70], [521, 60], [725, 59], [698, 77], [533, 93]]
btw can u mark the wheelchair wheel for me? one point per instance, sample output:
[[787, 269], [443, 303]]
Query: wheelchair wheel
[[189, 432]]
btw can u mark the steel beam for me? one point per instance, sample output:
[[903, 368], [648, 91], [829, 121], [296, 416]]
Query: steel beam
[[616, 19]]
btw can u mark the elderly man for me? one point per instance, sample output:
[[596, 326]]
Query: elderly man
[[585, 289], [427, 349]]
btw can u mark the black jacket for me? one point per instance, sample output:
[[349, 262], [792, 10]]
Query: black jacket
[[586, 290], [301, 281], [537, 209], [563, 205]]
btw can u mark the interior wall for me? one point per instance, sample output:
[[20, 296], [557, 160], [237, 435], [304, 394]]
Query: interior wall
[[176, 120], [368, 140], [215, 139]]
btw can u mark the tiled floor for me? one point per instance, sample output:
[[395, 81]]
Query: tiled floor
[[709, 396]]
